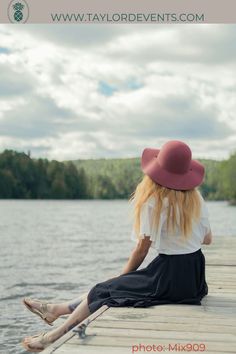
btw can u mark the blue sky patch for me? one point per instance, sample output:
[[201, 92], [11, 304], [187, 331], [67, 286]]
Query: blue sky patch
[[133, 84], [4, 50], [106, 89]]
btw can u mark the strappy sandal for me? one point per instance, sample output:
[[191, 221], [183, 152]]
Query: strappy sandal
[[42, 312], [42, 340]]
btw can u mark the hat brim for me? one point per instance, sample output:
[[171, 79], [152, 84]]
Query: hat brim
[[191, 179]]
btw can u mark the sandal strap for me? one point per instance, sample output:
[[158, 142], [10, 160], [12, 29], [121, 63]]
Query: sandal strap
[[43, 339], [44, 308], [38, 335]]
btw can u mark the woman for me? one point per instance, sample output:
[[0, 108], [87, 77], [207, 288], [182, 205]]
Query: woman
[[169, 215]]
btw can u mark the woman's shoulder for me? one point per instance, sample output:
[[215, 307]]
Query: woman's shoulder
[[152, 200]]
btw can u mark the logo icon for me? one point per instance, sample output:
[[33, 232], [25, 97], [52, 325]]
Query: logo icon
[[18, 11]]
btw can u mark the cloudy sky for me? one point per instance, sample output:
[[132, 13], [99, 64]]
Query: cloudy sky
[[91, 91]]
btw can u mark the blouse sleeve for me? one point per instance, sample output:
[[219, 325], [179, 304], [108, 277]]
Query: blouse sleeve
[[146, 227]]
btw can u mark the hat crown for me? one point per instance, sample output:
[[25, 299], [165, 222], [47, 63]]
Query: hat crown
[[175, 157]]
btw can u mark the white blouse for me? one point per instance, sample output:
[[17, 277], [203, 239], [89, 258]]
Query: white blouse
[[168, 243]]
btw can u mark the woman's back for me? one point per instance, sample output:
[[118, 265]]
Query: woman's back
[[172, 242]]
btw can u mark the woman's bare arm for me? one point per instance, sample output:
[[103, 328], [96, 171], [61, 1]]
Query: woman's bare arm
[[207, 239], [138, 255]]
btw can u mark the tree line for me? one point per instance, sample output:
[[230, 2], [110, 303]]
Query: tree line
[[23, 177]]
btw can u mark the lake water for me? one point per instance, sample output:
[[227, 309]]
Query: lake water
[[57, 250]]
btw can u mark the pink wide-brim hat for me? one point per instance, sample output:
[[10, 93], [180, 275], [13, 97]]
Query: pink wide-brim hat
[[172, 166]]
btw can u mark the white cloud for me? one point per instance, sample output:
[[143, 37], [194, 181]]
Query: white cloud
[[169, 82]]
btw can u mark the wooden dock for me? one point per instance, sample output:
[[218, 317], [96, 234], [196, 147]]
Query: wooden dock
[[210, 328]]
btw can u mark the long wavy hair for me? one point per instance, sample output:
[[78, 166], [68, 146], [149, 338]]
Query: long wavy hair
[[183, 207]]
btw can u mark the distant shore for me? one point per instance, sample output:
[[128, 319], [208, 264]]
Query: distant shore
[[24, 177]]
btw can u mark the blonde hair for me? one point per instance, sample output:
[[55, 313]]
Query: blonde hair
[[182, 209]]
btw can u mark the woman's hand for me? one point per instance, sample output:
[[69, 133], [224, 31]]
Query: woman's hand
[[207, 239]]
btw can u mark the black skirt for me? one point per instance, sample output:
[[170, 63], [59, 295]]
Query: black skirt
[[168, 279]]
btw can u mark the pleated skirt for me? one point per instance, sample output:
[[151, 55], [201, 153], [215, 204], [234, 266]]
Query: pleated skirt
[[168, 279]]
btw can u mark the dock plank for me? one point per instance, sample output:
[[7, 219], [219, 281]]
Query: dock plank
[[164, 324], [129, 342]]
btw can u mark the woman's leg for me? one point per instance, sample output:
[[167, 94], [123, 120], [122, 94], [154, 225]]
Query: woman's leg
[[60, 309], [79, 314], [67, 307]]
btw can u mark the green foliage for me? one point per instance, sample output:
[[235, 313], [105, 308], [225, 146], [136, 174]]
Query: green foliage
[[24, 177], [111, 178], [220, 179], [228, 184]]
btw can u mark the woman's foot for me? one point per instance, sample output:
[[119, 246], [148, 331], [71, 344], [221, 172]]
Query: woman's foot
[[38, 342], [47, 311]]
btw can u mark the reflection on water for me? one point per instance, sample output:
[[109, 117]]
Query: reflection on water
[[59, 249]]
